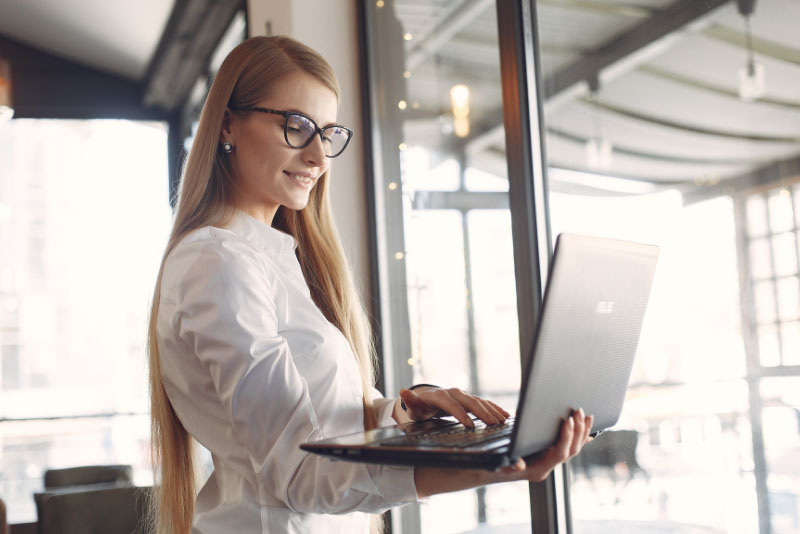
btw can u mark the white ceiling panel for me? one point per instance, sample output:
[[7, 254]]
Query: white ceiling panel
[[114, 36]]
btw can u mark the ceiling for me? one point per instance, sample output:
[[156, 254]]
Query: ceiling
[[664, 74], [115, 37]]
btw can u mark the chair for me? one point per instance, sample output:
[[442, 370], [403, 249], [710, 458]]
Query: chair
[[93, 499], [88, 474], [107, 510]]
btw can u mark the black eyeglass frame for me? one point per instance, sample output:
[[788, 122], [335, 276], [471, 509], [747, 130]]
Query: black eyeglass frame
[[318, 130]]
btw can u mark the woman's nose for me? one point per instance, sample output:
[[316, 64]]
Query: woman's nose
[[314, 153]]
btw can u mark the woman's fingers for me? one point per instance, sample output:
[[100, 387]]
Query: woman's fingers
[[422, 404], [427, 403], [482, 409], [587, 435], [579, 431], [574, 433], [499, 409]]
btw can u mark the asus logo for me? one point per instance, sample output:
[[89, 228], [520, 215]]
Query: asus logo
[[604, 307]]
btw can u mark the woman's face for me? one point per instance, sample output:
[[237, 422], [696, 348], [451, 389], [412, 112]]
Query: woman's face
[[267, 172]]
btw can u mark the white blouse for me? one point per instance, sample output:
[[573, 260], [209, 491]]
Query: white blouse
[[253, 369]]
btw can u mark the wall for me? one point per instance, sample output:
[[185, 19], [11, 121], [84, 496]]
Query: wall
[[330, 27]]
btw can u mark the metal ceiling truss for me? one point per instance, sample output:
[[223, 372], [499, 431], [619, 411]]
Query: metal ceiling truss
[[626, 48], [193, 31]]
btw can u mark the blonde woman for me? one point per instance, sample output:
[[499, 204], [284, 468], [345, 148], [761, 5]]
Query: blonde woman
[[258, 341]]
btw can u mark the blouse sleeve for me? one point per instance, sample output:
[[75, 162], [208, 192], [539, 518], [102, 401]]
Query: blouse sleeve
[[225, 314], [384, 407]]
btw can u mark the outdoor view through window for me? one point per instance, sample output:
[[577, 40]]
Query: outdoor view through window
[[669, 122], [84, 218]]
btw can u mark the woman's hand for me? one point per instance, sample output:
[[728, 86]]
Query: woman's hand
[[424, 403], [574, 434]]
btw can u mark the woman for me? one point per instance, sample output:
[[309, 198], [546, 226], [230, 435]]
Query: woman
[[257, 339]]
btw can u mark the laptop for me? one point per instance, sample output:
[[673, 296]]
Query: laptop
[[582, 355]]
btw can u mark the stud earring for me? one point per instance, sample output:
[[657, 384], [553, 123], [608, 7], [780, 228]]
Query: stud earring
[[227, 148]]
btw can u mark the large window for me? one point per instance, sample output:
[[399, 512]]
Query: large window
[[84, 218], [677, 123], [673, 122]]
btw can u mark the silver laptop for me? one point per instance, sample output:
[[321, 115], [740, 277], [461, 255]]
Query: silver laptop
[[582, 355]]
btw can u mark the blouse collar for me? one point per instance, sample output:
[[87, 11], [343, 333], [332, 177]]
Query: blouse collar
[[261, 235]]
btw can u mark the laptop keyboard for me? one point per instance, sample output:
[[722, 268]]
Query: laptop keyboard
[[457, 436]]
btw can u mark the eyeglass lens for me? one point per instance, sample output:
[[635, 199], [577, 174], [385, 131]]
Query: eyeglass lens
[[300, 130]]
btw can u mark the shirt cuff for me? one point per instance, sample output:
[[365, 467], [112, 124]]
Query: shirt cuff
[[384, 409], [395, 483]]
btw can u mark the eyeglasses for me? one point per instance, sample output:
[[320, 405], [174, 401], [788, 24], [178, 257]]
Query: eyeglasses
[[299, 130]]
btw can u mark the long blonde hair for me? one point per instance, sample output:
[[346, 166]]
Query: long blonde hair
[[249, 73]]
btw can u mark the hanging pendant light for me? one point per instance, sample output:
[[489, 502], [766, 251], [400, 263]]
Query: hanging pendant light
[[752, 80], [599, 149], [459, 100]]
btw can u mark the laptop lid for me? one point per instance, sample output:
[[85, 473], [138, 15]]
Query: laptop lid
[[586, 339]]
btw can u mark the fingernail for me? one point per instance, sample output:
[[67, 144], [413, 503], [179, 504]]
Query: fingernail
[[582, 414]]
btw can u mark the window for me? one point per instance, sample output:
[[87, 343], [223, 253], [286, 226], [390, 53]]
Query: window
[[653, 134], [84, 218]]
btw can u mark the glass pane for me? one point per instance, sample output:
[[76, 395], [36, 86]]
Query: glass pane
[[757, 216], [760, 264], [420, 174], [785, 254], [494, 300], [782, 438], [790, 343], [788, 298], [436, 298], [764, 293], [769, 348], [84, 223], [479, 180], [442, 194], [671, 118], [781, 218], [796, 197]]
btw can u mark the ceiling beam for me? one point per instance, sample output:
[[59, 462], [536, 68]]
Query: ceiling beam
[[635, 40], [623, 52], [769, 176], [194, 29], [448, 25], [686, 127]]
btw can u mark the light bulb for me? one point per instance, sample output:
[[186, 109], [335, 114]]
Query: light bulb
[[752, 81], [599, 154]]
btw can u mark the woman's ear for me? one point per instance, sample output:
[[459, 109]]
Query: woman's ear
[[225, 132]]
